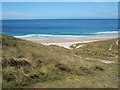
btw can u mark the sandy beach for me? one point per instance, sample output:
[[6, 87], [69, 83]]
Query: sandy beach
[[68, 41]]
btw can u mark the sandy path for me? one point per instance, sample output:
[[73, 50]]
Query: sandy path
[[94, 59], [110, 47], [117, 42]]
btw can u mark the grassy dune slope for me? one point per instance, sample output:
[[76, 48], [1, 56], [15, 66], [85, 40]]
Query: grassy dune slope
[[28, 64]]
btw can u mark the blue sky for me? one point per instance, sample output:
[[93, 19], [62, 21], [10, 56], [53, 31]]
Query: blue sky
[[59, 10]]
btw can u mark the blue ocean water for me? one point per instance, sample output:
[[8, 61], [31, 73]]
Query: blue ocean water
[[59, 27]]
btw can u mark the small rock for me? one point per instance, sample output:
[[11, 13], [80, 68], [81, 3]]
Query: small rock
[[62, 67], [99, 68]]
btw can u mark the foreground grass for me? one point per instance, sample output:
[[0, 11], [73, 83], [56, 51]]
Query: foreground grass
[[28, 64]]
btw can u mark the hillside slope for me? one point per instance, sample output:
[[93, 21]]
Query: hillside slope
[[28, 64]]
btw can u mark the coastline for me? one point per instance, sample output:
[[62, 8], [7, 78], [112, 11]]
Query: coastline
[[66, 42]]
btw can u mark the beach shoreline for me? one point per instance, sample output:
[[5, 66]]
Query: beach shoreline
[[66, 42]]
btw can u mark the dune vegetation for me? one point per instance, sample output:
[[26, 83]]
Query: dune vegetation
[[30, 65]]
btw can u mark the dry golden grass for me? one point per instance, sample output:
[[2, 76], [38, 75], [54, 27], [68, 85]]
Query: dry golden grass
[[28, 64]]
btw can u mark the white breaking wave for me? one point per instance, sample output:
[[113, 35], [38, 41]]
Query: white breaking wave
[[34, 35], [49, 35], [107, 32], [46, 35]]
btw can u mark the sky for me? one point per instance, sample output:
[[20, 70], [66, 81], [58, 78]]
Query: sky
[[59, 10], [60, 0]]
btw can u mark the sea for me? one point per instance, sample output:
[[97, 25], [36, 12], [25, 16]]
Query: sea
[[59, 27]]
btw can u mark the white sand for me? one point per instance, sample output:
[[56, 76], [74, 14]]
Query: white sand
[[66, 42]]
